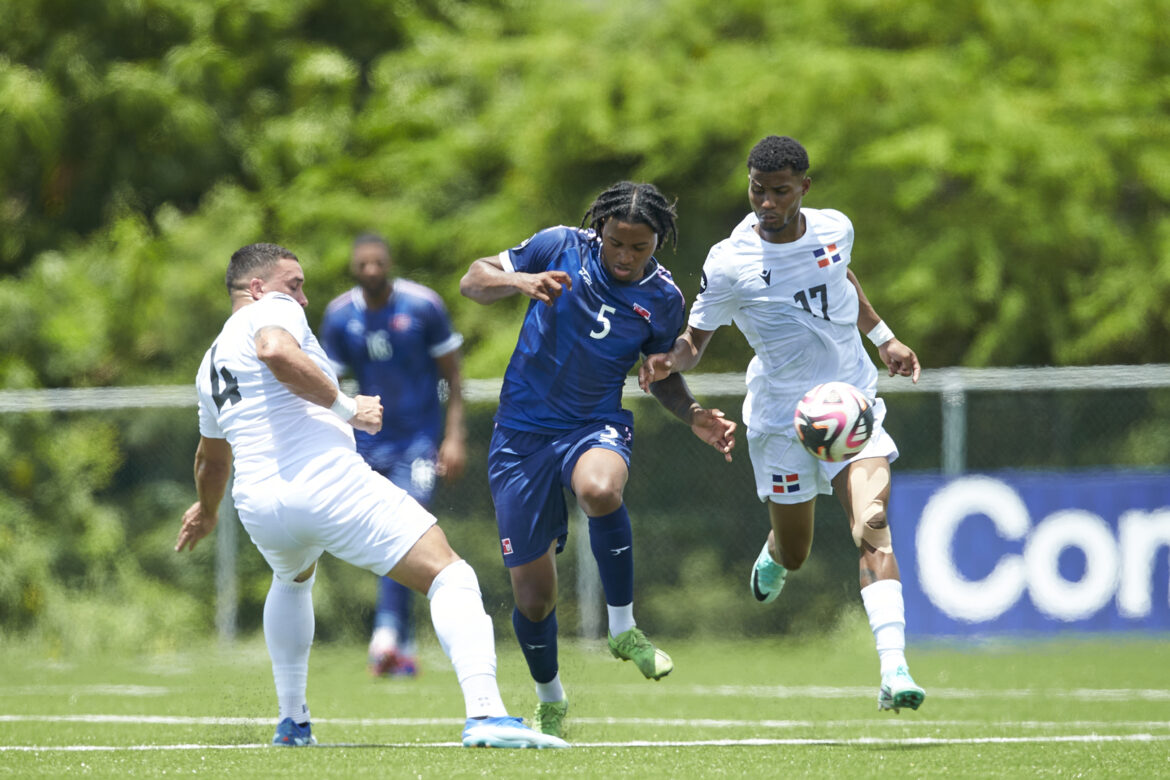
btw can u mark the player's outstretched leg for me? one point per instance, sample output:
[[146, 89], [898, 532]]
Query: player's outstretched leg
[[899, 690], [767, 577], [465, 632], [632, 645]]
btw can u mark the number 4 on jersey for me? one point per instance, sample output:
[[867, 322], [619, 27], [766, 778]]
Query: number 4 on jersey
[[231, 387]]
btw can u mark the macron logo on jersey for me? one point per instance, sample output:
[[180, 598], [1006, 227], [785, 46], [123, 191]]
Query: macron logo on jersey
[[826, 255], [785, 483], [766, 276], [642, 312]]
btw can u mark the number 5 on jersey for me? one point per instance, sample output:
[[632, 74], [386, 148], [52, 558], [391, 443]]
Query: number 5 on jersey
[[603, 318]]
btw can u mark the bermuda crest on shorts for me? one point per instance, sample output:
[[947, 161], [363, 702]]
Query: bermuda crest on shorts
[[785, 483], [507, 545]]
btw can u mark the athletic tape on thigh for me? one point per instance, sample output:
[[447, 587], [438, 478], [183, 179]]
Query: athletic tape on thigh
[[866, 488]]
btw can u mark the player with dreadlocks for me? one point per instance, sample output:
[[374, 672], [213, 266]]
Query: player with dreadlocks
[[599, 300]]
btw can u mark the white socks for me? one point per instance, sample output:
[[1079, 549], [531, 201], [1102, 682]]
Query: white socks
[[288, 631], [551, 690], [465, 633], [621, 619], [887, 619]]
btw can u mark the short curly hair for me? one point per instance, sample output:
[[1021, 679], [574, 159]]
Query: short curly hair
[[777, 152], [250, 260]]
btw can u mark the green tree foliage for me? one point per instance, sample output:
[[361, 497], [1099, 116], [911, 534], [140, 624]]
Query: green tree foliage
[[1006, 165]]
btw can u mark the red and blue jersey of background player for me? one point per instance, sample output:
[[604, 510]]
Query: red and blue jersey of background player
[[391, 352], [572, 358]]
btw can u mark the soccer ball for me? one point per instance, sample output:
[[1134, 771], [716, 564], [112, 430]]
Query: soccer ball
[[834, 421]]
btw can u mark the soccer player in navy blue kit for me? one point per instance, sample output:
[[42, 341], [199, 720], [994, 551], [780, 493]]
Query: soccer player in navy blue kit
[[599, 300], [395, 338]]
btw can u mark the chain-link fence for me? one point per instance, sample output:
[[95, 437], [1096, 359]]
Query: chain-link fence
[[95, 482]]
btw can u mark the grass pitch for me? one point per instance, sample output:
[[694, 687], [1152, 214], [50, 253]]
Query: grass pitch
[[772, 707]]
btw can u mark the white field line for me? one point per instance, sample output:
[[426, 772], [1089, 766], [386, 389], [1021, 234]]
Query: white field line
[[725, 723], [842, 692], [863, 741], [84, 690], [758, 691]]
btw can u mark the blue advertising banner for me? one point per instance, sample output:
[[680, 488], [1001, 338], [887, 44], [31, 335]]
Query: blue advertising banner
[[1026, 552]]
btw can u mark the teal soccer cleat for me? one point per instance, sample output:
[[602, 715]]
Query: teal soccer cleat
[[767, 577], [899, 690], [506, 732]]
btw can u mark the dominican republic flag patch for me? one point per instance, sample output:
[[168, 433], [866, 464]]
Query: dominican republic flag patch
[[507, 545], [785, 483], [827, 254]]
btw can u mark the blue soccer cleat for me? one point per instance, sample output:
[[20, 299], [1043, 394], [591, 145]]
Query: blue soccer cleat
[[289, 733], [899, 690], [506, 732]]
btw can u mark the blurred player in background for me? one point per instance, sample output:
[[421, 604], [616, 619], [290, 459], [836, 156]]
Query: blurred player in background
[[782, 277], [269, 399], [395, 338], [599, 300]]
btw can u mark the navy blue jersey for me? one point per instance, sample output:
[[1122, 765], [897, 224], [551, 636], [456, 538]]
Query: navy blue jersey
[[391, 352], [572, 358]]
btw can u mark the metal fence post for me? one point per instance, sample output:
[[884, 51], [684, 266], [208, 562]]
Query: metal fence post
[[589, 597], [226, 582], [954, 424]]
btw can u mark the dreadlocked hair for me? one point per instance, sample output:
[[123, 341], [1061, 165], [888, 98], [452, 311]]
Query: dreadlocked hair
[[777, 152], [635, 202]]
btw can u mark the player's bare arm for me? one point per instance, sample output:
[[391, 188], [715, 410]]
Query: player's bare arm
[[213, 466], [710, 425], [453, 448], [486, 282], [292, 366], [683, 356], [899, 358]]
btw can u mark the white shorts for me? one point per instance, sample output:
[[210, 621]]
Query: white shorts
[[336, 504], [787, 473]]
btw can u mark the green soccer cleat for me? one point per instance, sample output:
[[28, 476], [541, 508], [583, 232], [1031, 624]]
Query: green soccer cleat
[[767, 577], [550, 716], [506, 732], [633, 646], [899, 690]]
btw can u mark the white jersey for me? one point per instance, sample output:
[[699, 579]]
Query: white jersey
[[797, 309], [271, 430]]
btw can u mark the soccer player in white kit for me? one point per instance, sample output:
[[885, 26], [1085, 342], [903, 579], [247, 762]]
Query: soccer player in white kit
[[269, 399], [782, 277]]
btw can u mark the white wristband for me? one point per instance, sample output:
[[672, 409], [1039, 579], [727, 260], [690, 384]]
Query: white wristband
[[880, 334], [344, 407]]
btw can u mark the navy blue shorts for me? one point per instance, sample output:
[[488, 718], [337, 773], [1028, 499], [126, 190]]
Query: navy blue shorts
[[528, 473], [410, 467]]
